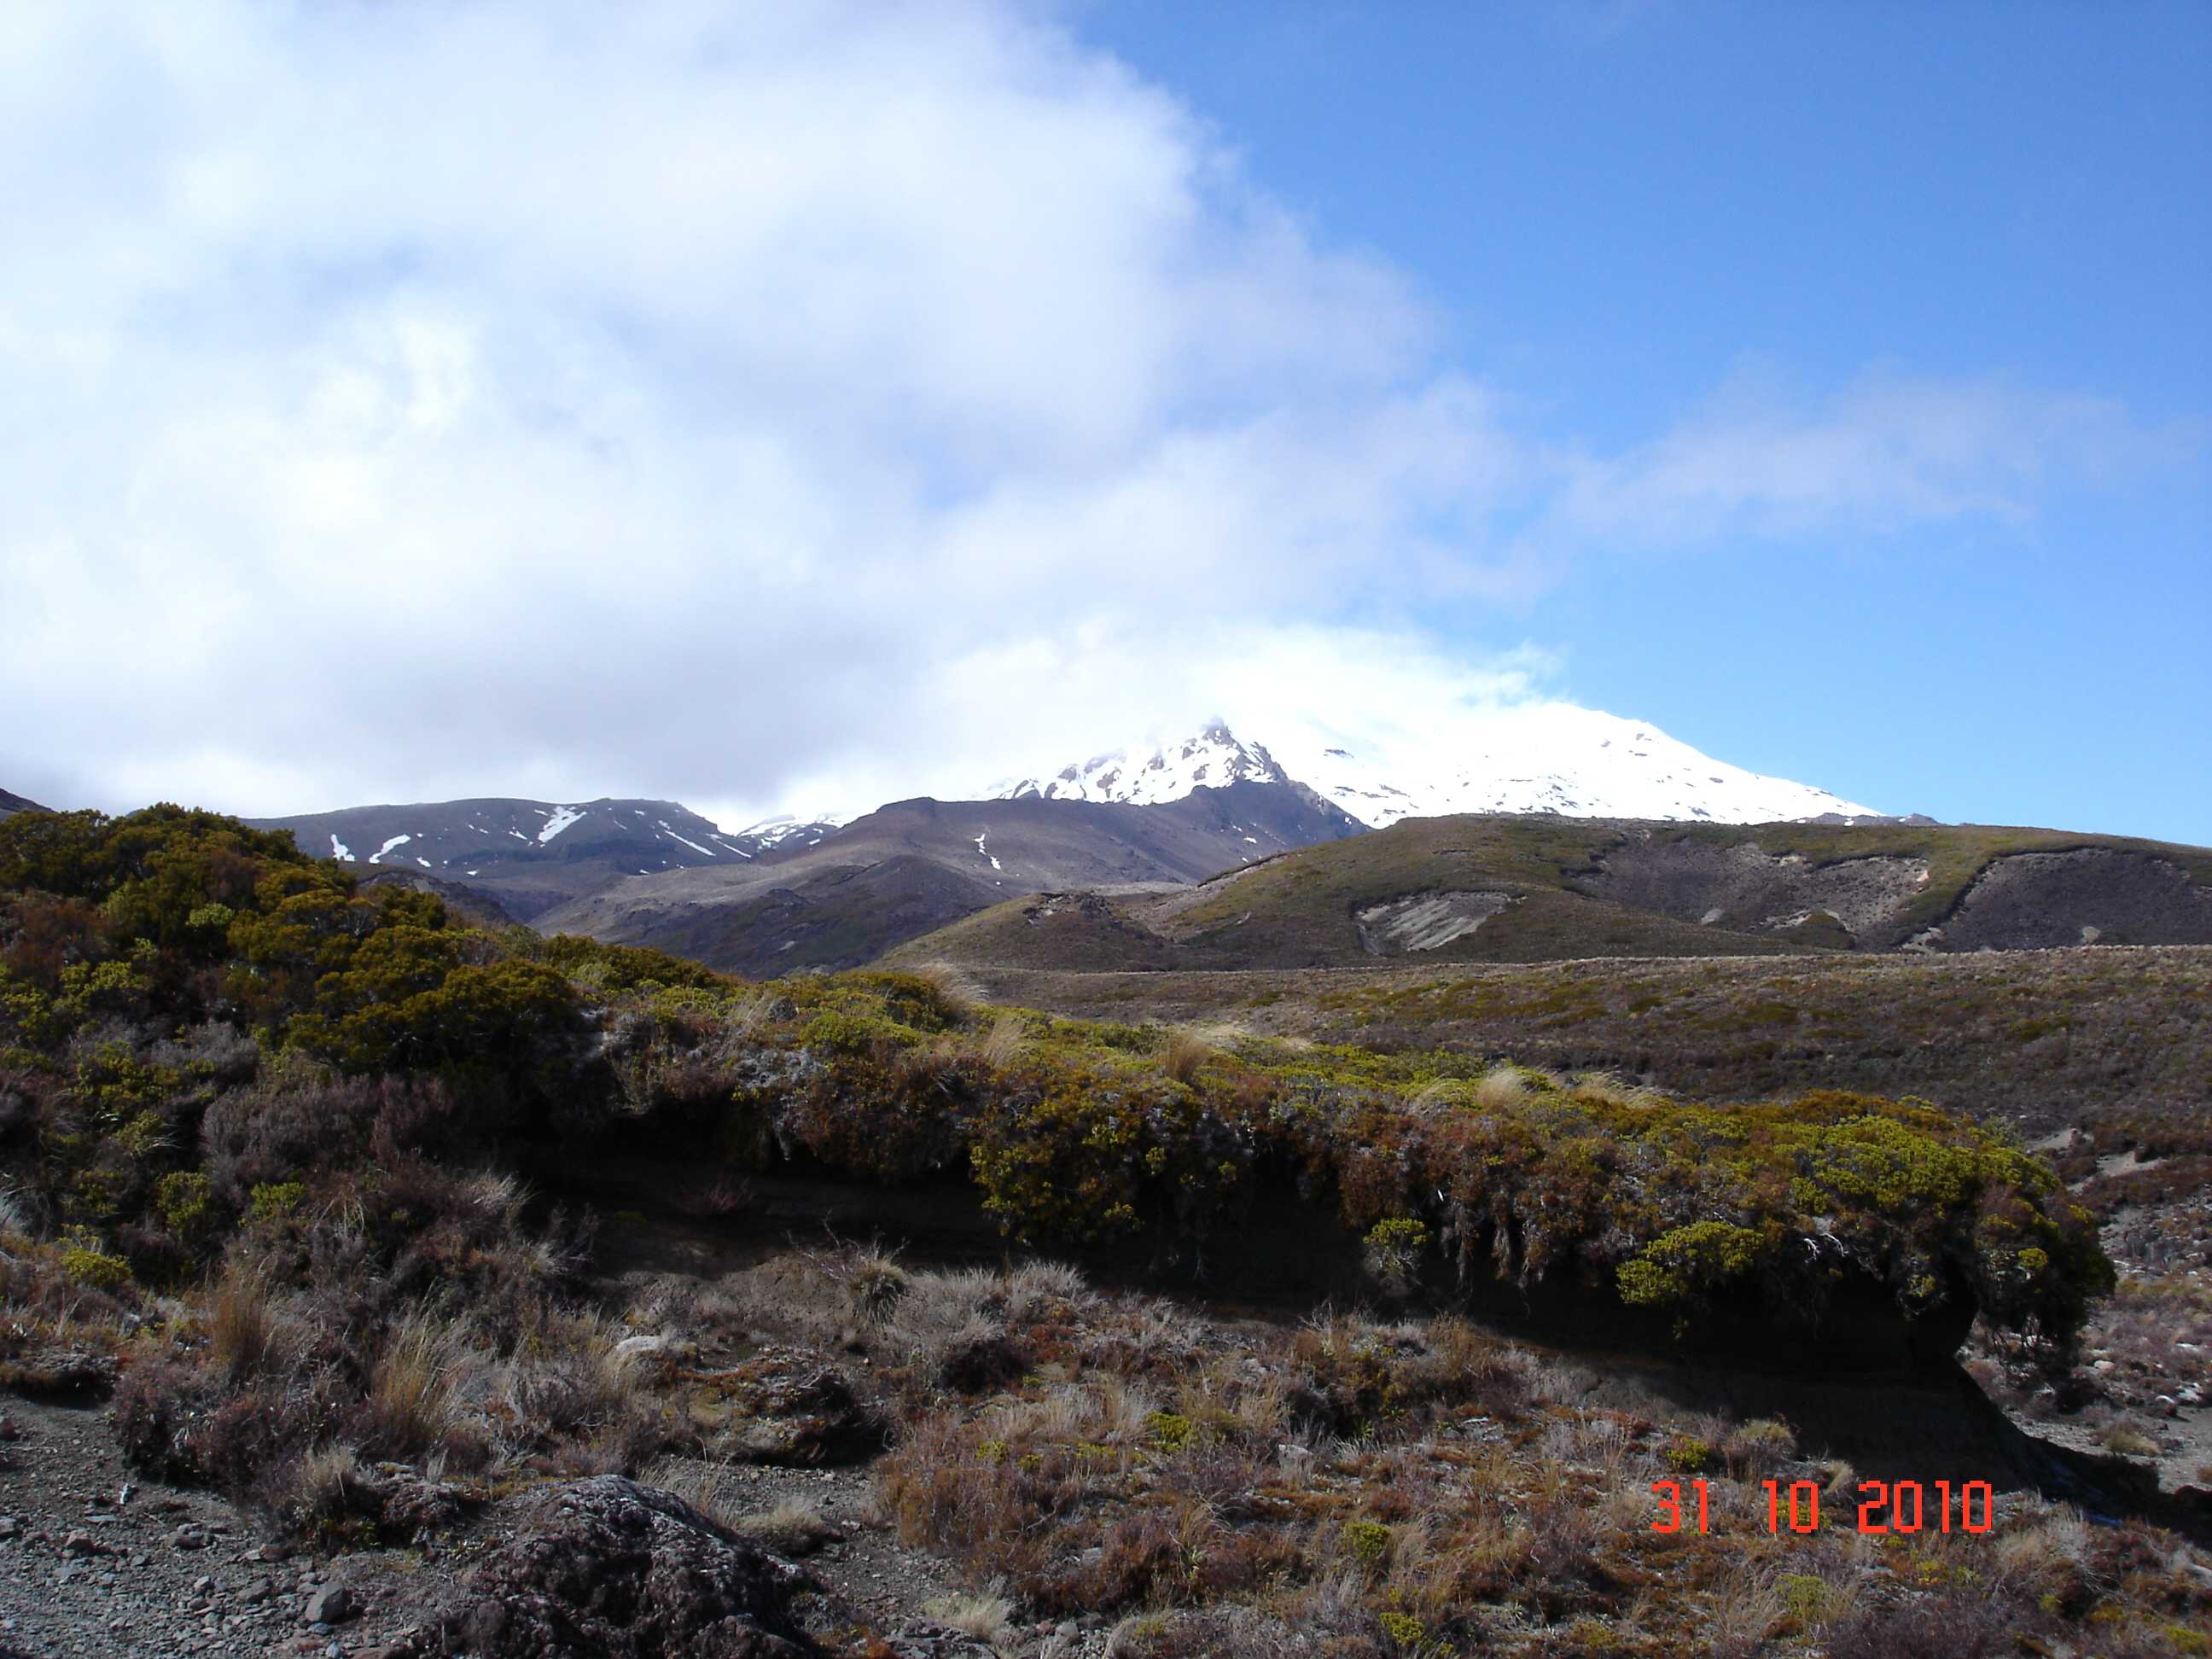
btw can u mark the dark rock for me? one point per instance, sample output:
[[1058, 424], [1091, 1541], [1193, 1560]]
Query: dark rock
[[406, 1506], [784, 1406], [607, 1569], [333, 1604]]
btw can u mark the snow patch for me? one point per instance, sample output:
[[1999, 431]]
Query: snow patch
[[561, 818], [377, 857], [693, 845], [340, 851]]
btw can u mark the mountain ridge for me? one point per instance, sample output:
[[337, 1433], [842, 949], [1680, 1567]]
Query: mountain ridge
[[862, 890], [532, 856]]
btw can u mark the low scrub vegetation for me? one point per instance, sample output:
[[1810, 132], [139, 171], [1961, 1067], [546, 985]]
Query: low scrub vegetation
[[282, 1166]]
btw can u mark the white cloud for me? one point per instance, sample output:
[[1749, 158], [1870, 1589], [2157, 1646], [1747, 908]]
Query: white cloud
[[1890, 450], [404, 401]]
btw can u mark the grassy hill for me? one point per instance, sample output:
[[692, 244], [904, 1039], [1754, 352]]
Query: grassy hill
[[2041, 1038], [1481, 888]]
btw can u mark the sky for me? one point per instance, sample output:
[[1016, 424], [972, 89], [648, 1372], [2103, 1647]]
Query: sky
[[802, 406]]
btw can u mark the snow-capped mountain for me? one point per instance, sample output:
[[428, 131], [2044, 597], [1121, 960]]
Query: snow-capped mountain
[[792, 829], [1537, 757], [1213, 759], [533, 854]]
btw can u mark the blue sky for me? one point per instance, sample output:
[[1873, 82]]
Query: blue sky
[[809, 404], [1617, 209]]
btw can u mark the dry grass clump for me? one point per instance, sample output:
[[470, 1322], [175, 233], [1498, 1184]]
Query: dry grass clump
[[1502, 1088], [1185, 1056], [980, 1618], [868, 1276], [410, 1392], [247, 1336], [1005, 1043], [1602, 1087], [1756, 1448], [793, 1527], [958, 996]]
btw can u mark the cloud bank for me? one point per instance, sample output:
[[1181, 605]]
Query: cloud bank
[[816, 402]]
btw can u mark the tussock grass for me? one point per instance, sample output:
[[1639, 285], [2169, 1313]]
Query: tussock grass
[[1501, 1089], [247, 1337], [958, 994], [410, 1393], [982, 1618], [1185, 1056], [1006, 1042]]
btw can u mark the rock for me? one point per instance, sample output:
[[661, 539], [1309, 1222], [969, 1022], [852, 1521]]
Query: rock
[[333, 1604], [257, 1592], [2164, 1405], [188, 1538], [81, 1543], [632, 1348], [605, 1567], [784, 1406], [407, 1505]]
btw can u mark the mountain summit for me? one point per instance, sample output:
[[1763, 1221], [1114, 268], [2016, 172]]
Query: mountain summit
[[1542, 757], [1213, 759]]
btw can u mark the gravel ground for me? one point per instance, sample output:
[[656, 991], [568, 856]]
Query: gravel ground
[[95, 1563]]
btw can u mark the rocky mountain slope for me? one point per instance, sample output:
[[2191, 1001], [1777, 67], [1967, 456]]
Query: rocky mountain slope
[[914, 866], [11, 803], [530, 856], [1545, 758], [1487, 889]]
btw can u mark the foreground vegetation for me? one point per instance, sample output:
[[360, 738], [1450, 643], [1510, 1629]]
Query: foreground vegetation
[[263, 1142]]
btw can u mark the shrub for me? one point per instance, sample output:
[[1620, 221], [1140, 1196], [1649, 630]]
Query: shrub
[[1394, 1249], [1688, 1453], [1367, 1542], [84, 1262]]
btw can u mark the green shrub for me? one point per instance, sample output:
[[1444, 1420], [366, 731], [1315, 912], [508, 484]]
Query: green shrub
[[1688, 1453], [1368, 1542], [185, 1202], [1171, 1431], [275, 1200], [85, 1263]]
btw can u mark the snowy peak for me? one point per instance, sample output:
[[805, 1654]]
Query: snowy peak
[[1556, 757], [1214, 759], [1536, 757]]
